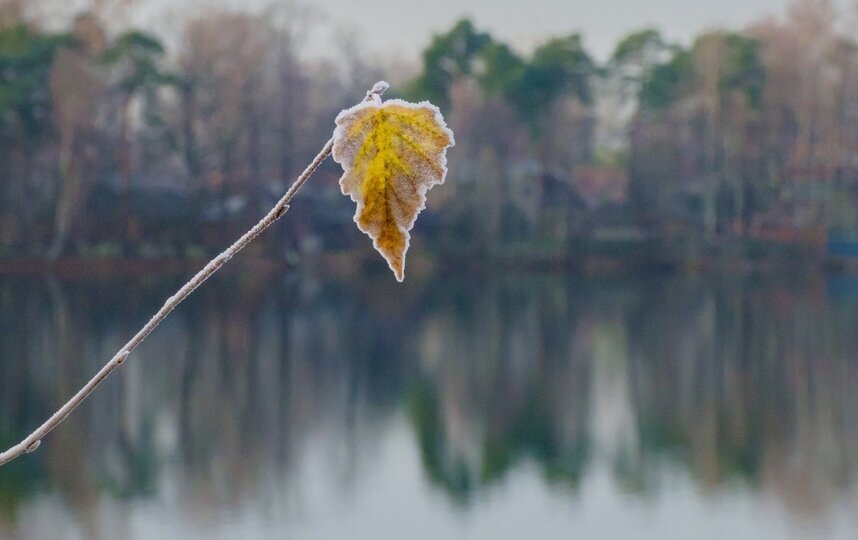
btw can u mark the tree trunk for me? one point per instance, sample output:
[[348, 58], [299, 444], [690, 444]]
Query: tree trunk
[[69, 197]]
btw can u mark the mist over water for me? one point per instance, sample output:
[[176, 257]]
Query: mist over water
[[490, 406]]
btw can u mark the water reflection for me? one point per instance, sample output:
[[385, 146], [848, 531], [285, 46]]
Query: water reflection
[[290, 403]]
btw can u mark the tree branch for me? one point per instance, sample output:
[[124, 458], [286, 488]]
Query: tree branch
[[32, 441]]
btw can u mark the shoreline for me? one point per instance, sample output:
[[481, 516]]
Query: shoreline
[[348, 263]]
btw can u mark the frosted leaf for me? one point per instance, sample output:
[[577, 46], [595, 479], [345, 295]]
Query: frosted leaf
[[392, 154]]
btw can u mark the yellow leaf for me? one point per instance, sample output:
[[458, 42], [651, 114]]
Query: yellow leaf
[[392, 153]]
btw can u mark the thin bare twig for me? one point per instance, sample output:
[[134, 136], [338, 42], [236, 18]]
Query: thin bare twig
[[32, 441]]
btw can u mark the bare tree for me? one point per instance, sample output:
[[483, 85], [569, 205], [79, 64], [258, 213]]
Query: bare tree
[[75, 83], [224, 62]]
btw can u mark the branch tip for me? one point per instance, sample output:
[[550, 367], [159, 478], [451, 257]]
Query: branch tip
[[379, 88]]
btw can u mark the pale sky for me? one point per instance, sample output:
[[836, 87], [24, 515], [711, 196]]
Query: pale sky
[[404, 27], [528, 22], [400, 29]]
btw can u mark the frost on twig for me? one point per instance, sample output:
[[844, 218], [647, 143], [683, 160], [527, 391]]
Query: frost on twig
[[32, 441]]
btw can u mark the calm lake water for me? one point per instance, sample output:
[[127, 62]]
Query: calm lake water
[[508, 406]]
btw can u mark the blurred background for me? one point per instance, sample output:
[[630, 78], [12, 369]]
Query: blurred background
[[630, 310]]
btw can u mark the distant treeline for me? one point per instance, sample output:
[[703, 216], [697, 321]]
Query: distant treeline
[[110, 139]]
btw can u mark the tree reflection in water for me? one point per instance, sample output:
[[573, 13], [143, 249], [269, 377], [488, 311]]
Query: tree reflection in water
[[745, 380]]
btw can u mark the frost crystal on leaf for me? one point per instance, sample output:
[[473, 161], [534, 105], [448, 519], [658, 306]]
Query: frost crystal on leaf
[[392, 154]]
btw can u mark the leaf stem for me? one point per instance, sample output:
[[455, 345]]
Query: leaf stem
[[33, 440]]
